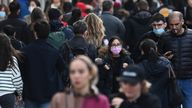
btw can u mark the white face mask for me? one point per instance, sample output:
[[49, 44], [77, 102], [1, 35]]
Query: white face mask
[[31, 9]]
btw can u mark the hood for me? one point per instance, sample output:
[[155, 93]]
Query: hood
[[55, 25], [142, 17]]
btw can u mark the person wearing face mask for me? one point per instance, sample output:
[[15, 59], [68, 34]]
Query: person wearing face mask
[[33, 4], [158, 24], [115, 60], [3, 12]]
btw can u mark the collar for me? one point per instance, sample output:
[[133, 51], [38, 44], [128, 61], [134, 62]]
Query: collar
[[13, 16], [106, 12]]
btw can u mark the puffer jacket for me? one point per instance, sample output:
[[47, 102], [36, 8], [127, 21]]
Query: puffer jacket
[[181, 47]]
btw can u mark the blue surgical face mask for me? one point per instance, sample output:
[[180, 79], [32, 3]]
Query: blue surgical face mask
[[159, 31], [2, 14]]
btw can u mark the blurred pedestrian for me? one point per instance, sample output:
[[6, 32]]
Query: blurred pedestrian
[[134, 91], [113, 25], [42, 69], [13, 19], [83, 93], [157, 70], [96, 30], [10, 32], [136, 26], [76, 15], [158, 24], [56, 36], [56, 4], [3, 12], [78, 44], [176, 46], [10, 80], [114, 61], [32, 5], [188, 14], [37, 14]]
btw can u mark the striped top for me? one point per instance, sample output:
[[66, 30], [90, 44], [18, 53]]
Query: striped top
[[10, 80]]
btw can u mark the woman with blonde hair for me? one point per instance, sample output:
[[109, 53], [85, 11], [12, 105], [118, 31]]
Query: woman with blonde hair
[[83, 93], [96, 30]]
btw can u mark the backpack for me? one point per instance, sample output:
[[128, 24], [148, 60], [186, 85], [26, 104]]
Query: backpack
[[70, 53]]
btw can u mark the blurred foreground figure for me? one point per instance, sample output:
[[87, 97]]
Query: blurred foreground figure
[[134, 91], [10, 76], [83, 93], [42, 68]]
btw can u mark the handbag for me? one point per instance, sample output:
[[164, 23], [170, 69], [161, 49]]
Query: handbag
[[175, 95]]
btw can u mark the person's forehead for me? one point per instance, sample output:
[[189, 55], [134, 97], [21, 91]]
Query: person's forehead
[[158, 22], [175, 20], [116, 41]]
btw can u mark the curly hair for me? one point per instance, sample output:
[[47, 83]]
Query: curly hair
[[96, 30]]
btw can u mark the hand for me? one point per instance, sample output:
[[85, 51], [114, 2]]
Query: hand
[[116, 102], [107, 67], [99, 61], [125, 65], [169, 55], [18, 98]]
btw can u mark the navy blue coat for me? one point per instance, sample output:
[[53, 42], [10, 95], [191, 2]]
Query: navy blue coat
[[41, 70]]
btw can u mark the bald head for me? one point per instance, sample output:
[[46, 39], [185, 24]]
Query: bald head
[[176, 22], [175, 14]]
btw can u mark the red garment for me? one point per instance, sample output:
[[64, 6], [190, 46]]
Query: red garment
[[83, 8], [100, 102]]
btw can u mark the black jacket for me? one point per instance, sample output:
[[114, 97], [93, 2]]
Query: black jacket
[[157, 73], [144, 101], [136, 26], [113, 25], [20, 26], [181, 46], [149, 35], [41, 70], [77, 42], [18, 45], [108, 78]]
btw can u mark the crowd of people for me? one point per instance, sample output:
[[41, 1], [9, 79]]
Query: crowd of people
[[96, 54]]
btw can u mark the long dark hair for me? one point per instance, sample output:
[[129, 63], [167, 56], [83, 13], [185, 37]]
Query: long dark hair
[[149, 48], [123, 51], [6, 52]]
